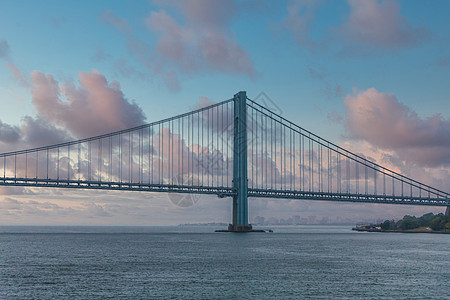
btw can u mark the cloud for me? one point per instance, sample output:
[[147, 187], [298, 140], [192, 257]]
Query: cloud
[[37, 132], [33, 132], [4, 49], [379, 24], [204, 102], [125, 69], [14, 190], [383, 121], [95, 107], [66, 112], [122, 25], [10, 204], [18, 75], [443, 62], [97, 210], [301, 14], [142, 52], [100, 55], [335, 117], [204, 42], [371, 26], [4, 53], [8, 133], [209, 117], [329, 89], [200, 42], [29, 209]]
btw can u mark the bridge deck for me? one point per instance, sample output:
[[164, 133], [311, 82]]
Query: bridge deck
[[226, 191]]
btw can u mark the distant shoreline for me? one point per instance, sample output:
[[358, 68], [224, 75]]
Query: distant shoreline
[[400, 231]]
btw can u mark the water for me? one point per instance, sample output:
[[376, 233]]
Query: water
[[195, 263]]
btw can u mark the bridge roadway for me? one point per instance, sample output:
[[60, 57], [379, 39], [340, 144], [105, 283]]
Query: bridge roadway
[[222, 192]]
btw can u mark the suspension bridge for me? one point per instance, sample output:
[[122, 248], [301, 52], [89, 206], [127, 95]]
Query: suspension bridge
[[236, 148]]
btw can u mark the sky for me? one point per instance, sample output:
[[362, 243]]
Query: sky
[[372, 76]]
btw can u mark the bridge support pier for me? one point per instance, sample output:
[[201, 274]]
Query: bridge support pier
[[240, 185], [447, 211]]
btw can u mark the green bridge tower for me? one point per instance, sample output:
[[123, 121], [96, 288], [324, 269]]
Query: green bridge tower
[[240, 180]]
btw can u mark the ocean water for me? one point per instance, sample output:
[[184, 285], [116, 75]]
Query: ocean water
[[302, 262]]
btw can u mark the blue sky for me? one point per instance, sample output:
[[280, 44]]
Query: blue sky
[[326, 64]]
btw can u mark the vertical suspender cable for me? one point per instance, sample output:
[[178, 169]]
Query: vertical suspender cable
[[293, 140], [192, 152], [160, 154], [79, 163], [222, 129], [198, 149], [216, 156], [203, 150], [120, 158], [151, 150], [271, 151], [68, 162], [257, 171], [266, 155], [365, 178], [99, 159], [374, 181], [47, 163], [169, 153], [180, 140], [57, 165], [37, 163], [357, 176]]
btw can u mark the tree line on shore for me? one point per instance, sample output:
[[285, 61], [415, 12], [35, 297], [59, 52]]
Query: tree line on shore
[[439, 222]]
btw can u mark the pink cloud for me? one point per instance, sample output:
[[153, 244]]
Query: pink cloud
[[17, 74], [66, 112], [380, 24], [93, 108], [203, 42], [142, 52], [383, 121]]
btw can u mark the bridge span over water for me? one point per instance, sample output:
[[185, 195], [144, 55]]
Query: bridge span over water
[[236, 148]]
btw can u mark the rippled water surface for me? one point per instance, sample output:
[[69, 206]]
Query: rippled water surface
[[196, 263]]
